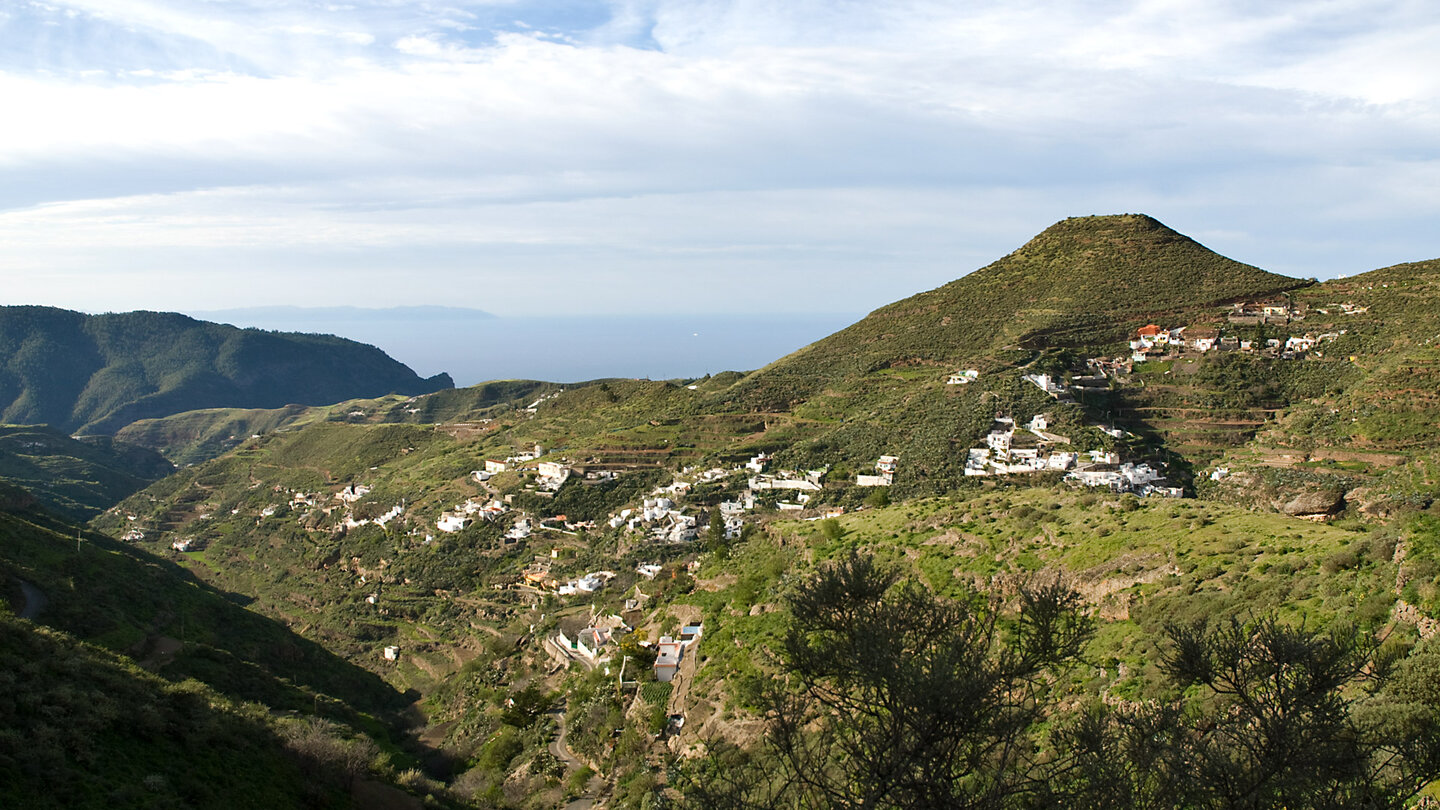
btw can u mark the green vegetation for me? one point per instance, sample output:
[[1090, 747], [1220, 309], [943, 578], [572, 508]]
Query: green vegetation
[[76, 478], [318, 582], [97, 373]]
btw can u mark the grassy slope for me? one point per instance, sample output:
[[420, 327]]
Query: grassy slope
[[78, 478], [1371, 421], [195, 436], [84, 727], [128, 601], [1141, 564]]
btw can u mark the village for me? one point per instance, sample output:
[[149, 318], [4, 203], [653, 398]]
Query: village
[[664, 517]]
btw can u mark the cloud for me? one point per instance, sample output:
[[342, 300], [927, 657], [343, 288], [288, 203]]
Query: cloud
[[888, 146]]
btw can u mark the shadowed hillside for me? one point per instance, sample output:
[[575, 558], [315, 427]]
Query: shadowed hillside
[[97, 373], [78, 478]]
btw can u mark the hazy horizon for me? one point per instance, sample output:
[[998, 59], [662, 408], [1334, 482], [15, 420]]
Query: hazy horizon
[[557, 348]]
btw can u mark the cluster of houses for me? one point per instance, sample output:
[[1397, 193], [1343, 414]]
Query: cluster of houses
[[537, 575], [1253, 312], [1284, 312], [1030, 450], [460, 517], [1064, 391], [1153, 342], [1034, 449], [660, 519], [1139, 479], [589, 638], [593, 640], [493, 466], [670, 650], [532, 407]]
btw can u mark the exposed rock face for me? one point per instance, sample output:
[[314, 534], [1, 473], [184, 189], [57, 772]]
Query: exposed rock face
[[1313, 503], [1409, 614]]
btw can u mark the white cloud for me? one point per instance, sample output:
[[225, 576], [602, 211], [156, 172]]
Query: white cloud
[[676, 138]]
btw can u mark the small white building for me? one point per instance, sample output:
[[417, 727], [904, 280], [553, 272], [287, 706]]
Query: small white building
[[451, 523], [667, 662]]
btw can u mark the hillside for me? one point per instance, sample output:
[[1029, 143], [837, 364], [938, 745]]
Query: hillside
[[1083, 282], [195, 436], [76, 478], [1297, 466], [139, 686], [96, 373]]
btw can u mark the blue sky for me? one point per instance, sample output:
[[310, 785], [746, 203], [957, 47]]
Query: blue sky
[[646, 155]]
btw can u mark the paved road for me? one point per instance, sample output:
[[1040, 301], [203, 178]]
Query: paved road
[[35, 600], [567, 757]]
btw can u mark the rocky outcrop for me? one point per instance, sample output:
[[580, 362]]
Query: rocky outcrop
[[1313, 503]]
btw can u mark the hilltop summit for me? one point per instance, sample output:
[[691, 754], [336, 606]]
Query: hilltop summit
[[1075, 283]]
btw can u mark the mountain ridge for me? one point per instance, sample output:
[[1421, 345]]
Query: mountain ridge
[[97, 373]]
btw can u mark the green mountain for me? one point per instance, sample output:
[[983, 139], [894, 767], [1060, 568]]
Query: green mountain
[[1082, 282], [96, 373], [76, 477], [1314, 474]]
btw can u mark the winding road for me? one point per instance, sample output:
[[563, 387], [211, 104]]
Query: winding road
[[571, 762]]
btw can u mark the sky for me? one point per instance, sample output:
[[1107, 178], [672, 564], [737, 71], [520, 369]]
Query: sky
[[721, 156]]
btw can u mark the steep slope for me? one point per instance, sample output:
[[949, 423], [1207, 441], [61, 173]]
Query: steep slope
[[195, 436], [127, 683], [1082, 282], [1367, 429], [119, 597], [76, 478], [84, 727], [97, 373]]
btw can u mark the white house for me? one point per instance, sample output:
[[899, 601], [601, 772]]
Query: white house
[[1062, 461], [999, 441], [962, 377], [667, 662], [885, 473], [493, 466], [1047, 384], [451, 523]]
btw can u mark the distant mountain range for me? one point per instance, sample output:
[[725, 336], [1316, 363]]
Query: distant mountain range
[[245, 316], [97, 373]]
